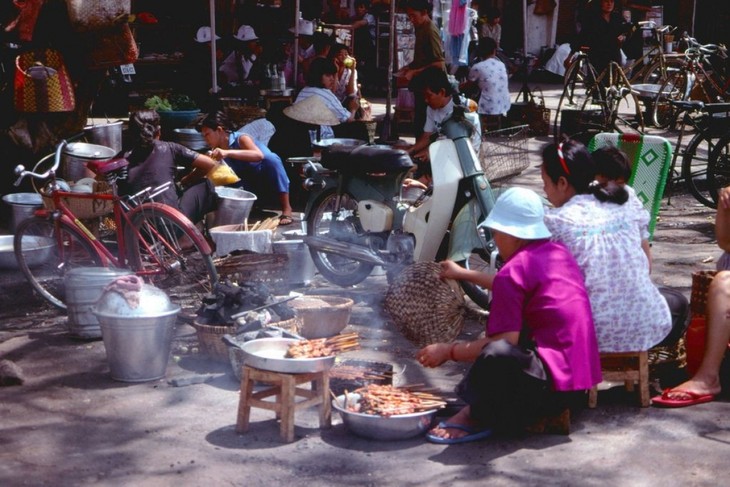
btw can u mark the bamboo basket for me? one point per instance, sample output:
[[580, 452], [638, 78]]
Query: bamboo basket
[[85, 208], [209, 340]]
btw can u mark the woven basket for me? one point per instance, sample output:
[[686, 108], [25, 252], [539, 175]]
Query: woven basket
[[700, 285], [85, 208], [675, 355], [209, 340], [425, 308]]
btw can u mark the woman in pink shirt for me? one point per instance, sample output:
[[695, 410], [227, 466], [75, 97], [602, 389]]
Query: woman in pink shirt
[[540, 348]]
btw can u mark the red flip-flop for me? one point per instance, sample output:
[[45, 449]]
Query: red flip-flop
[[689, 399]]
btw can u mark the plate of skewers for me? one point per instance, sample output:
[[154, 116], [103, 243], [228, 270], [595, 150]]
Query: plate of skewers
[[293, 356]]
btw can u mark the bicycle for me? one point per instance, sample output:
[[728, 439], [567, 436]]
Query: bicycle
[[597, 98], [691, 81], [710, 123], [154, 240], [654, 65]]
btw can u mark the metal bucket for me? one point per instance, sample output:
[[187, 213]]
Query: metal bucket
[[234, 206], [84, 287], [22, 205], [301, 265], [77, 154], [107, 134]]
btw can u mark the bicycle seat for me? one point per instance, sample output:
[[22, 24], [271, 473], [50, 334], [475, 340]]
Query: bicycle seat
[[101, 167]]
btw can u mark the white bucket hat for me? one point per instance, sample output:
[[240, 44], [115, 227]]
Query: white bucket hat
[[246, 33], [519, 212], [205, 34], [306, 28]]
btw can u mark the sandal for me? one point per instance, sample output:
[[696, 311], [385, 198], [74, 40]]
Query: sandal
[[285, 220]]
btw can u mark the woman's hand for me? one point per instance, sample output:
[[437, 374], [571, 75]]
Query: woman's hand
[[724, 198], [433, 355], [451, 270], [410, 182], [218, 154]]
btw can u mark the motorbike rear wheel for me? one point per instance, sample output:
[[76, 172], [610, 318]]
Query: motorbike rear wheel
[[324, 222], [478, 261]]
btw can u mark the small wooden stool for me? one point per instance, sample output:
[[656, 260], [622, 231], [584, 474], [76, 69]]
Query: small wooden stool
[[284, 387], [629, 367]]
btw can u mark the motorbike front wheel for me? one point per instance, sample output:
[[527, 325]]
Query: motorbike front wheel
[[477, 261], [324, 221]]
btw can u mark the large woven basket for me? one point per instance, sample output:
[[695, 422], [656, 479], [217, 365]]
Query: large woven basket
[[700, 285], [425, 308], [85, 208], [209, 340]]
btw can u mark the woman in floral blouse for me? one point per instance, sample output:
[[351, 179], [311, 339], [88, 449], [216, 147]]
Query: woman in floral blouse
[[605, 227]]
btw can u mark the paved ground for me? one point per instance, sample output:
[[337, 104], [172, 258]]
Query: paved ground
[[70, 424]]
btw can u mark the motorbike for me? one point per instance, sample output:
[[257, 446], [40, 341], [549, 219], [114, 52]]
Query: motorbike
[[357, 216]]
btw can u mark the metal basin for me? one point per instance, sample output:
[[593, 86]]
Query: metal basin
[[396, 427], [40, 252], [190, 138], [646, 90], [270, 354]]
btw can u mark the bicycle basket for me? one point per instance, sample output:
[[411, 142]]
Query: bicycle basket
[[503, 154], [87, 207]]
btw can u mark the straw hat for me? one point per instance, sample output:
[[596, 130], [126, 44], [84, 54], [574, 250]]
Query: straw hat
[[205, 34], [312, 110], [245, 33]]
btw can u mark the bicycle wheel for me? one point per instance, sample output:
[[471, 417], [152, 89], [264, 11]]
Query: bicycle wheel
[[674, 88], [718, 168], [46, 250], [695, 166], [579, 87], [166, 249], [655, 75]]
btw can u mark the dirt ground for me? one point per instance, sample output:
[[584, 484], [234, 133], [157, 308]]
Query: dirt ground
[[71, 424]]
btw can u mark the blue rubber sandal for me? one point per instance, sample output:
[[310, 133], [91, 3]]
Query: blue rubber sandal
[[473, 434]]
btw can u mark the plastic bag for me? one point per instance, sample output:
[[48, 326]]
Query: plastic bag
[[223, 175]]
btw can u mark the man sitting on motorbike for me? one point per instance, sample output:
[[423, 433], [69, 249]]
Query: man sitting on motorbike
[[441, 95]]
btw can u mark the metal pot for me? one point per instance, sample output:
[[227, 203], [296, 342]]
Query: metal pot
[[190, 138], [77, 154], [108, 134]]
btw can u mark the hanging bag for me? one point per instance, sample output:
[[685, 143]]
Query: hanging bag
[[112, 46], [86, 15], [42, 83]]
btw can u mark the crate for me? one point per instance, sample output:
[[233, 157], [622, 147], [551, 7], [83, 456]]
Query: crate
[[504, 153]]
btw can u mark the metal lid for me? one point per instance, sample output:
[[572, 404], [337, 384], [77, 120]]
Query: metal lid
[[89, 151]]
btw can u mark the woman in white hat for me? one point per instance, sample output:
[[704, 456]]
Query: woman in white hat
[[539, 355]]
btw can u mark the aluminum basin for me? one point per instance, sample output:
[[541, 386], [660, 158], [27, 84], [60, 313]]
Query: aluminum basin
[[42, 249], [385, 428]]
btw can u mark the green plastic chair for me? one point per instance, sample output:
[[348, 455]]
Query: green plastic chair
[[651, 157]]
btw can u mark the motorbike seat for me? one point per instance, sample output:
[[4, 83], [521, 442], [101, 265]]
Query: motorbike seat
[[366, 159]]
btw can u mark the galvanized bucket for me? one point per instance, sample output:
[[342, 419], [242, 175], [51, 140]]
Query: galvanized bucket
[[84, 286], [23, 205], [234, 206], [301, 265]]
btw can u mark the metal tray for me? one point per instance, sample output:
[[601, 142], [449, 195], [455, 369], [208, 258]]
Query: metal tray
[[269, 354]]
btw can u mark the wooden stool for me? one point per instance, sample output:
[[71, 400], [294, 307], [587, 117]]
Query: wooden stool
[[629, 367], [284, 387]]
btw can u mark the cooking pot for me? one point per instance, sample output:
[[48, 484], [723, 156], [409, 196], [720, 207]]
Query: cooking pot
[[107, 134], [190, 138], [77, 154]]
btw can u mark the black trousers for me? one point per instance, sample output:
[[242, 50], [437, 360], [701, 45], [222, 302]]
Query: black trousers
[[508, 388], [198, 199]]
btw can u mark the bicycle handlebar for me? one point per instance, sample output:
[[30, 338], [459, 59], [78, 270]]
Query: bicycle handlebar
[[22, 173]]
